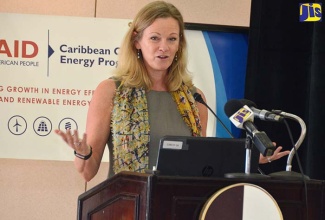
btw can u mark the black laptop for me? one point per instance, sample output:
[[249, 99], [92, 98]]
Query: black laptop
[[203, 156]]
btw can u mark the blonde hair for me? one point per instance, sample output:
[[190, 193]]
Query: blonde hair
[[131, 70]]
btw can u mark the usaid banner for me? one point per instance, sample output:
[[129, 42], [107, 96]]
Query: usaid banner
[[50, 66]]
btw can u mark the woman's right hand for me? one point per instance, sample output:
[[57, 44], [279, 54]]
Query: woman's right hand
[[73, 140]]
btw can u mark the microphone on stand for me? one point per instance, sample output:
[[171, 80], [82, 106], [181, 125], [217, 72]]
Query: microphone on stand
[[262, 114], [247, 173], [280, 116], [199, 99], [243, 117]]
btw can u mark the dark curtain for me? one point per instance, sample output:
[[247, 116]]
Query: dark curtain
[[286, 71]]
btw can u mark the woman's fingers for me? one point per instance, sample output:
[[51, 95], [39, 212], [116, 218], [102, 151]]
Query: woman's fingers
[[75, 138], [278, 154], [62, 135], [71, 139]]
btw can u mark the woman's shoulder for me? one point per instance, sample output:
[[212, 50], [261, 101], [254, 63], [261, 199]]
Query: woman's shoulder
[[193, 89], [107, 86], [199, 91], [115, 80], [107, 83]]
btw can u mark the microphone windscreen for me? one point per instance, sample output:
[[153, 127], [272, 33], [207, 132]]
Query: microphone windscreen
[[198, 98], [232, 106], [249, 103]]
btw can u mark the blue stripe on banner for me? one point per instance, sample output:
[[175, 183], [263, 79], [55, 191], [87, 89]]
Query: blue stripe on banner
[[219, 88], [228, 54]]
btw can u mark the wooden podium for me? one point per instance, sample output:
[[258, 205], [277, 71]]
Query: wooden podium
[[129, 195]]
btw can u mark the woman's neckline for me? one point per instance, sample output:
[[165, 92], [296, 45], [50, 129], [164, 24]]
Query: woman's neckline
[[158, 91]]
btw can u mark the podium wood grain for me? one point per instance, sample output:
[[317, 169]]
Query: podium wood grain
[[129, 195]]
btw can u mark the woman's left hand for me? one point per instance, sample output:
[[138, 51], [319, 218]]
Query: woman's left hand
[[276, 155]]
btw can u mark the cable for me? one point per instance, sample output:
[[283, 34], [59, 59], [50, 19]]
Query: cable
[[198, 98]]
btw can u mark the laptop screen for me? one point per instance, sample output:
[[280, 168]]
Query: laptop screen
[[203, 156]]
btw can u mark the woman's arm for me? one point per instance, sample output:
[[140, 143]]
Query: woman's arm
[[97, 130]]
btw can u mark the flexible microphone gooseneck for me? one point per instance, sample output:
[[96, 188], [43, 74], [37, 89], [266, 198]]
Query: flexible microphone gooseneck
[[199, 99]]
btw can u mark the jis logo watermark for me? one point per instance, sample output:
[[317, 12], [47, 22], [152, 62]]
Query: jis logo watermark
[[310, 12]]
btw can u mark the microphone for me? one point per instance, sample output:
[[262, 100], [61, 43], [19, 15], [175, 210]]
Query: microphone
[[242, 117], [262, 114], [199, 99]]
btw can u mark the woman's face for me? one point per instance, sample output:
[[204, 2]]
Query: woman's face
[[159, 44]]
